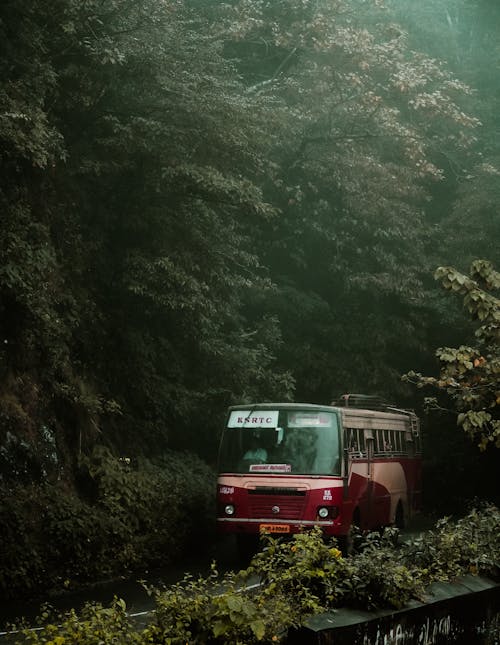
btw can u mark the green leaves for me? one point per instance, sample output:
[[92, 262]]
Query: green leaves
[[131, 513], [471, 375], [217, 610], [132, 161]]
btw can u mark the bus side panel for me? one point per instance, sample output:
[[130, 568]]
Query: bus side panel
[[413, 470], [390, 489], [359, 494], [377, 497]]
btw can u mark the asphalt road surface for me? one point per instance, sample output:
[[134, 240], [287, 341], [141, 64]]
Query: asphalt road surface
[[131, 590]]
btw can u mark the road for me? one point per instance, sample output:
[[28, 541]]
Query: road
[[131, 590]]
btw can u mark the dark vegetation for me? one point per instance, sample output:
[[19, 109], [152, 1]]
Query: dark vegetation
[[121, 518], [299, 578], [206, 203]]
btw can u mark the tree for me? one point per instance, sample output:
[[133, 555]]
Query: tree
[[369, 124], [205, 201], [131, 161], [464, 207], [470, 375]]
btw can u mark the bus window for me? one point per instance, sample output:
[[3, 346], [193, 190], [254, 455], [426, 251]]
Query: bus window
[[311, 447], [356, 442], [299, 442], [388, 441]]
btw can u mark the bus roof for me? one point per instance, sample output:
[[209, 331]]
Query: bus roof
[[346, 412], [275, 404]]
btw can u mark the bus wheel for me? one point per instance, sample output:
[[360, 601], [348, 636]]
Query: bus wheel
[[247, 545]]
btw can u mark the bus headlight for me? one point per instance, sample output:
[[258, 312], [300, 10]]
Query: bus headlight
[[323, 512], [229, 509]]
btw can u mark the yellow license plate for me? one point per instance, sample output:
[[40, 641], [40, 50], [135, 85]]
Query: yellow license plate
[[274, 528]]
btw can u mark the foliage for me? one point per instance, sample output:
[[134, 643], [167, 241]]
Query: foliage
[[298, 578], [207, 203], [221, 183], [131, 515], [464, 34], [96, 626], [470, 544], [470, 375], [191, 611], [122, 289], [370, 123], [315, 576], [306, 570], [379, 577]]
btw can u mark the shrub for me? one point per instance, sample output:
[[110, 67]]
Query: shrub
[[378, 576], [132, 516], [206, 611], [95, 626], [306, 569], [468, 545], [299, 577]]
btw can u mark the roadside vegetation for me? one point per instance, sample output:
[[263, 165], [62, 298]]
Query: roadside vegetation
[[130, 514], [301, 577]]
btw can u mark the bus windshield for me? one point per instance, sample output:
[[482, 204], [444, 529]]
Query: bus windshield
[[300, 442]]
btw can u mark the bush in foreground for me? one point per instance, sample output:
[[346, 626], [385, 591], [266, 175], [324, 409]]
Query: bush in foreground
[[299, 578]]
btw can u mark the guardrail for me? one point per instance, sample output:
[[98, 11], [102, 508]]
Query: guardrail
[[465, 612]]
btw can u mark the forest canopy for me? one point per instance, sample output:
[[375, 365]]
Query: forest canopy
[[206, 203]]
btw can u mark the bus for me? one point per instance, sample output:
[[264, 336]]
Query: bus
[[284, 467]]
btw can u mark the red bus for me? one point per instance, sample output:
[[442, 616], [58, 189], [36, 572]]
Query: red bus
[[287, 466]]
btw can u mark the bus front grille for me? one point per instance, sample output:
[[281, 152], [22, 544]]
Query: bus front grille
[[277, 490], [276, 508]]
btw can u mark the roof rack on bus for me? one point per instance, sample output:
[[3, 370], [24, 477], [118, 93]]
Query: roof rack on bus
[[363, 402]]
